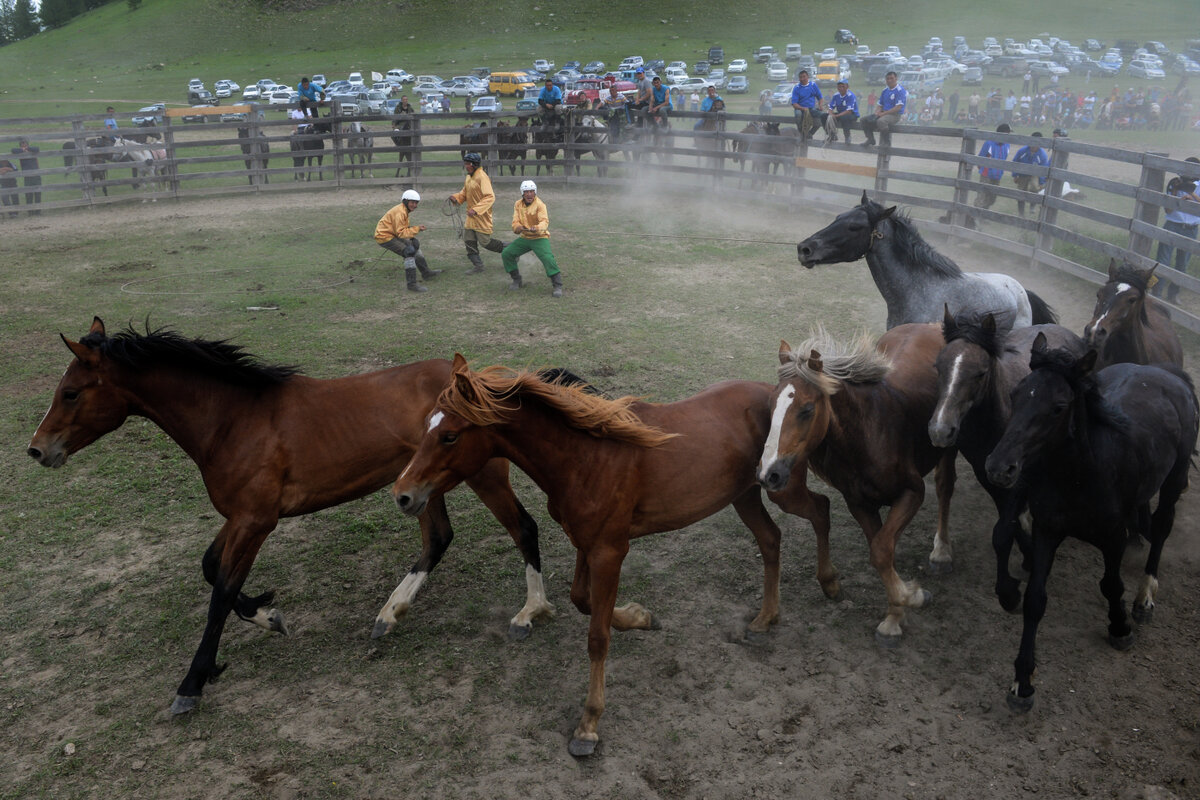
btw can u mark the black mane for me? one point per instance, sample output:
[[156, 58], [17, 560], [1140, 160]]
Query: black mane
[[1137, 278], [908, 245], [165, 348], [969, 328]]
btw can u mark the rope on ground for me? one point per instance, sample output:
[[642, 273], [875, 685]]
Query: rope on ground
[[450, 209]]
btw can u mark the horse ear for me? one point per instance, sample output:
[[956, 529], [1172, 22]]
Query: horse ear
[[864, 198], [888, 212], [97, 326], [1112, 269], [947, 317], [814, 361], [459, 365], [1086, 364], [86, 355], [785, 352], [1039, 343]]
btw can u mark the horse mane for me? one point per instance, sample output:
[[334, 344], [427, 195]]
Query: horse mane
[[1137, 278], [857, 361], [485, 397], [913, 250], [968, 326], [165, 348]]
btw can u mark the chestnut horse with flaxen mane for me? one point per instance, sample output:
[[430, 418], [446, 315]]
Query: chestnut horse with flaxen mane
[[271, 443]]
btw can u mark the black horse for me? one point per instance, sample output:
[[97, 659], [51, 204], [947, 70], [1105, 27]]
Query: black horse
[[1093, 449], [312, 142], [549, 132], [258, 147], [514, 144]]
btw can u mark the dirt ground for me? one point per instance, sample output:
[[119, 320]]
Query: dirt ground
[[818, 710]]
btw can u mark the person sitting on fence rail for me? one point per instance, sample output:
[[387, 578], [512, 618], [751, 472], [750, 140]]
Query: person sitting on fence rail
[[478, 196], [1035, 155], [712, 103], [550, 98], [311, 92], [645, 91], [660, 102], [394, 232], [843, 109], [806, 105], [889, 112], [617, 107]]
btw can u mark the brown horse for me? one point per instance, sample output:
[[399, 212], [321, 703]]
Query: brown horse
[[857, 416], [1127, 325], [613, 470], [514, 145], [270, 443]]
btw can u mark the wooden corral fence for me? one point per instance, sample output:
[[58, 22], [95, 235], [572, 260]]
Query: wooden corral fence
[[1113, 208]]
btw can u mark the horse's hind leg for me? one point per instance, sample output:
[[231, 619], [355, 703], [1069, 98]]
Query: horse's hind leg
[[436, 535], [1161, 523], [492, 486], [750, 509], [248, 608], [239, 545], [941, 558], [1120, 634]]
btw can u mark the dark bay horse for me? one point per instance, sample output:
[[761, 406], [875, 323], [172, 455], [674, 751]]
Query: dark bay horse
[[258, 148], [977, 370], [613, 471], [1128, 326], [856, 415], [270, 443], [916, 281], [1093, 448], [309, 146], [548, 133], [514, 144]]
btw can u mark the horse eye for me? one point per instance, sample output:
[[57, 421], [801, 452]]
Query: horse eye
[[70, 395], [805, 411], [449, 438]]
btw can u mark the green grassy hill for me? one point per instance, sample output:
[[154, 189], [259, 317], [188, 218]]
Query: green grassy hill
[[130, 58]]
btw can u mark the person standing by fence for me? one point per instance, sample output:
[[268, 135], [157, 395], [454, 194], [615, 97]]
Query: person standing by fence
[[988, 175], [478, 196], [888, 113], [1034, 155], [532, 222], [394, 232], [27, 155], [1179, 221]]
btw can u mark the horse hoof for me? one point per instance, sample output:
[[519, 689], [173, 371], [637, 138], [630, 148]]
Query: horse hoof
[[519, 633], [1142, 614], [888, 641], [277, 623], [941, 567], [582, 748], [1121, 642], [655, 624], [381, 629], [183, 705], [926, 599], [755, 638], [1018, 704]]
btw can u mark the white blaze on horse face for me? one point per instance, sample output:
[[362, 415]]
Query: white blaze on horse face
[[941, 409], [778, 415], [435, 420], [1121, 289]]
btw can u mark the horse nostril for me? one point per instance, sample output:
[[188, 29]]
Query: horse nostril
[[403, 500], [34, 453]]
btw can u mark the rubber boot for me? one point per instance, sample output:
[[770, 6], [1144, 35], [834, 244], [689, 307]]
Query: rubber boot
[[423, 265], [476, 264], [411, 274], [517, 282], [556, 282]]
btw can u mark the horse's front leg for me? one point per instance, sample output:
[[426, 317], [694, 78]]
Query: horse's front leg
[[242, 540], [941, 558], [1045, 545], [604, 573], [797, 499], [251, 609], [752, 513], [882, 541], [436, 535]]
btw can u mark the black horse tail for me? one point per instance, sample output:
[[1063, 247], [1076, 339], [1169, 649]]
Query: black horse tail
[[1043, 314], [564, 377]]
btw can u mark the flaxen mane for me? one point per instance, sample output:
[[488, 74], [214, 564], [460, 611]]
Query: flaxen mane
[[486, 396], [854, 362], [165, 348]]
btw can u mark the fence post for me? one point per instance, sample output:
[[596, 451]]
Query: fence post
[[1048, 215], [414, 170], [169, 144], [569, 151], [82, 159], [338, 154], [958, 213], [1153, 180], [256, 177]]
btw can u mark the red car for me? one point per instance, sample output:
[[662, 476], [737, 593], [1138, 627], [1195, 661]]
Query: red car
[[588, 90]]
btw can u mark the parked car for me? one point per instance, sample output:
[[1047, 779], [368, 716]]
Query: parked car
[[695, 82], [716, 54], [827, 54], [673, 75], [432, 103], [1093, 45], [1047, 68], [701, 68], [973, 76], [426, 88], [777, 71], [716, 77], [319, 79], [655, 65], [250, 93], [280, 97], [792, 51], [198, 97], [398, 76], [195, 83], [222, 89], [199, 113], [1090, 66], [737, 84], [737, 65], [356, 79], [1158, 48], [1145, 69], [764, 54], [1006, 66], [148, 116], [543, 65], [1182, 65], [782, 95], [844, 36], [488, 104], [594, 66], [234, 116], [806, 62], [463, 89]]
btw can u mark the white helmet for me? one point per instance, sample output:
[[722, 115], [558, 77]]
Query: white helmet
[[411, 194], [528, 186]]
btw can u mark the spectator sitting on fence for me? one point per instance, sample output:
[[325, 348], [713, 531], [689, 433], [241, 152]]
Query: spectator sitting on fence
[[806, 105], [550, 98]]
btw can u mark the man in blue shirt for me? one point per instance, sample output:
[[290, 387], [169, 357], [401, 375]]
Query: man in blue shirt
[[806, 105], [550, 98], [843, 107], [889, 112], [1181, 222], [712, 102], [660, 102], [310, 95], [110, 119], [990, 176], [1035, 155]]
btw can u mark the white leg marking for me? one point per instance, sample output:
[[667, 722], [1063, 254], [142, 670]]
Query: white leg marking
[[1147, 591], [778, 414], [398, 604], [536, 604]]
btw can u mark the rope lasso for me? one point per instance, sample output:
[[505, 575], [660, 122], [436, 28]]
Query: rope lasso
[[455, 213]]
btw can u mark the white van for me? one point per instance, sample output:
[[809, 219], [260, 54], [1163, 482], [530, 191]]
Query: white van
[[356, 79], [792, 52], [674, 74]]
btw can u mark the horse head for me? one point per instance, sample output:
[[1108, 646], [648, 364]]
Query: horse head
[[847, 238], [1120, 303], [965, 367], [800, 415]]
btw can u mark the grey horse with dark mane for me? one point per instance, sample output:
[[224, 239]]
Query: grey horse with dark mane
[[916, 281]]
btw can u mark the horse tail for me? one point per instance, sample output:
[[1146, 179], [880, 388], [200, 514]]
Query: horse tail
[[1042, 312], [564, 377]]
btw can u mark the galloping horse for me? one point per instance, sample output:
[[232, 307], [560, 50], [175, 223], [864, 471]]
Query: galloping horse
[[270, 443], [1094, 448], [916, 281], [856, 415], [359, 145], [613, 470], [258, 147], [977, 371], [1127, 325]]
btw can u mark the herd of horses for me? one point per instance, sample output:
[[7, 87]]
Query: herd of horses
[[1083, 432]]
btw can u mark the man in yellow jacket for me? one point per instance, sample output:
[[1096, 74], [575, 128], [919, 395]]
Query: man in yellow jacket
[[395, 233], [532, 222], [478, 196]]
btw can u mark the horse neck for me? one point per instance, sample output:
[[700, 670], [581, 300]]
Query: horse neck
[[895, 281], [193, 410]]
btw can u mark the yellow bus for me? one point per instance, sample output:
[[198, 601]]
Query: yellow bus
[[513, 83]]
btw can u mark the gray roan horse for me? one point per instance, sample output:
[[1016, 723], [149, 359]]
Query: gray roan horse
[[916, 281]]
